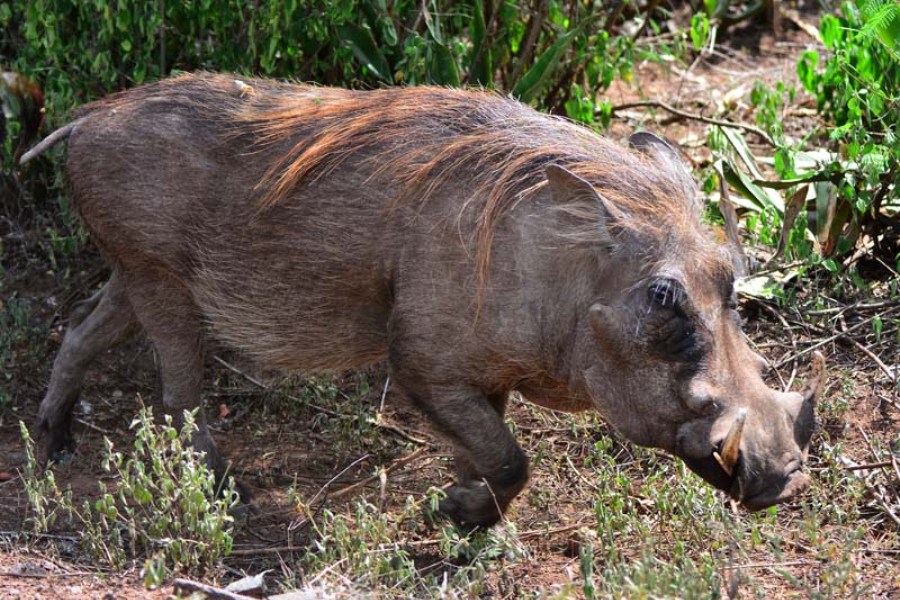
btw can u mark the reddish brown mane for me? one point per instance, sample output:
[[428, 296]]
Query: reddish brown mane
[[422, 137]]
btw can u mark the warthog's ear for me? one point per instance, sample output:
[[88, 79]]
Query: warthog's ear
[[667, 155], [652, 144], [589, 213]]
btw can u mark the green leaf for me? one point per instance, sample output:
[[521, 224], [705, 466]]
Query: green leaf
[[533, 82], [365, 49], [825, 208], [699, 30], [481, 61], [433, 25], [806, 70], [763, 197], [830, 27], [443, 69], [784, 184], [759, 198]]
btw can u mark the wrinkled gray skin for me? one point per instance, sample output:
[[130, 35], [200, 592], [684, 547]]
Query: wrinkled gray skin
[[332, 279]]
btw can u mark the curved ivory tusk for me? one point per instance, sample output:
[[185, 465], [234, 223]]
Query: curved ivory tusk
[[731, 447], [817, 378]]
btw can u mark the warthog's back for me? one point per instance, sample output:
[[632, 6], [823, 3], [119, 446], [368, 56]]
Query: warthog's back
[[299, 214], [163, 181]]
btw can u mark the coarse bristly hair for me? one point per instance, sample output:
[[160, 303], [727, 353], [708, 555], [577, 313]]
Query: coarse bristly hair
[[425, 137]]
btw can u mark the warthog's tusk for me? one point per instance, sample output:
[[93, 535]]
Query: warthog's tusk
[[731, 447]]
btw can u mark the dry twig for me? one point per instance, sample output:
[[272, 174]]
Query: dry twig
[[210, 591], [695, 117]]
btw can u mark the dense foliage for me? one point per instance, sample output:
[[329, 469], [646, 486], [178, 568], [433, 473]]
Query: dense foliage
[[545, 51]]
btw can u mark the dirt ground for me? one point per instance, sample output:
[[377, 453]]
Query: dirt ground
[[274, 447]]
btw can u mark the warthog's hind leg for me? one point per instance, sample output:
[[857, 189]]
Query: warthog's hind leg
[[95, 325], [172, 320]]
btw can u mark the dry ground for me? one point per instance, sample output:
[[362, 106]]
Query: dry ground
[[840, 540]]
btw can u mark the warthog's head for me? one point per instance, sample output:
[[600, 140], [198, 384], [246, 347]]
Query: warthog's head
[[664, 358]]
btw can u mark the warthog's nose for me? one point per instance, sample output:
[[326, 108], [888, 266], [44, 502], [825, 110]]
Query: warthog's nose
[[795, 483]]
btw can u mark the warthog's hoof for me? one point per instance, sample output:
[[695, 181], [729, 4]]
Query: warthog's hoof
[[471, 505], [56, 443]]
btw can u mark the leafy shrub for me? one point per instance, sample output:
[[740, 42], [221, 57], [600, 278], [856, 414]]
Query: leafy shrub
[[858, 95], [164, 504], [844, 173], [550, 53]]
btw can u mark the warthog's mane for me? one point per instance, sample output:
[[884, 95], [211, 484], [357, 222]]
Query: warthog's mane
[[417, 139]]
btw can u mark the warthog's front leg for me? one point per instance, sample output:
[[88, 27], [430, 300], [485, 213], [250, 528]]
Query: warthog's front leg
[[94, 325], [492, 468]]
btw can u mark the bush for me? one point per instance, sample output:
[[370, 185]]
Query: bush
[[164, 505]]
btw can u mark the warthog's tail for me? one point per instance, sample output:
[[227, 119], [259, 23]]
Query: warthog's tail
[[49, 141]]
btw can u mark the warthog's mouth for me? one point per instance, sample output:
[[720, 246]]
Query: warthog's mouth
[[758, 494], [776, 492]]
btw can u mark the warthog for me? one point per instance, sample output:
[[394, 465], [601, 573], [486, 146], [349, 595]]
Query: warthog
[[475, 245]]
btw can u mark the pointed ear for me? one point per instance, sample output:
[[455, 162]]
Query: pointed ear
[[653, 145], [667, 155], [585, 210]]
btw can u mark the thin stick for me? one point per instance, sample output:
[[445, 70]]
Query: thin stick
[[828, 340], [324, 488], [92, 426], [210, 591], [44, 575], [694, 117], [790, 563], [890, 375], [396, 465], [387, 383], [865, 467], [790, 331], [875, 492], [234, 369]]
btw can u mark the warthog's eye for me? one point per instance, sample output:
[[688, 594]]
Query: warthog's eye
[[731, 299], [665, 293], [671, 330]]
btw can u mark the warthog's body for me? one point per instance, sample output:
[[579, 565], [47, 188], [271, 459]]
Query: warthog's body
[[321, 229]]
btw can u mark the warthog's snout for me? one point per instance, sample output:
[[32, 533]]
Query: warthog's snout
[[759, 458]]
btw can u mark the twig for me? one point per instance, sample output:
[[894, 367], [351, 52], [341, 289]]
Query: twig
[[270, 550], [790, 563], [234, 369], [210, 591], [890, 375], [387, 384], [396, 465], [397, 431], [854, 307], [876, 492], [785, 385], [829, 339], [8, 573], [875, 465], [694, 117], [94, 427], [325, 487], [525, 535]]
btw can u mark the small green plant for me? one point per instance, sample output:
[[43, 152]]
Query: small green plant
[[45, 499], [164, 504]]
